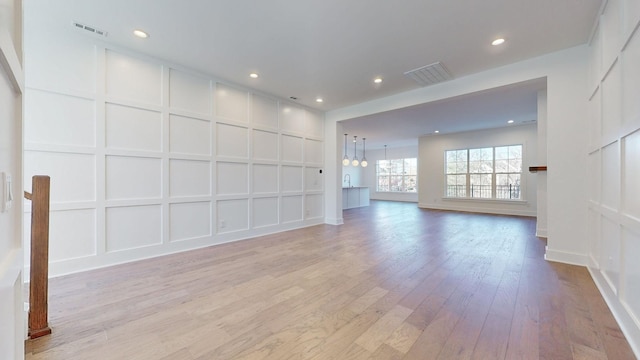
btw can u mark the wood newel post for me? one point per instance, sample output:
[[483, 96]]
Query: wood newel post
[[39, 277]]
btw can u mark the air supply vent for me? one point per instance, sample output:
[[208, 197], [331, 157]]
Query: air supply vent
[[90, 29], [429, 74]]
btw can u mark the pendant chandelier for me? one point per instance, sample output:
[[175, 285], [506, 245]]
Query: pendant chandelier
[[364, 162], [355, 161], [345, 159]]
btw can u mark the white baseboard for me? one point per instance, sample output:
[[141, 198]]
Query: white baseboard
[[334, 221], [565, 257], [478, 209], [630, 327], [541, 233], [75, 265]]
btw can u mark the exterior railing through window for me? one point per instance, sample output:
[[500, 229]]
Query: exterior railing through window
[[511, 191]]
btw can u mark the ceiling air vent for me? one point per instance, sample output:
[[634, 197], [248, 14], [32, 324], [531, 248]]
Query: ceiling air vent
[[429, 74], [90, 29]]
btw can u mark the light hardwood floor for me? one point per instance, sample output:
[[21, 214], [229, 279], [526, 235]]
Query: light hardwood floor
[[393, 282]]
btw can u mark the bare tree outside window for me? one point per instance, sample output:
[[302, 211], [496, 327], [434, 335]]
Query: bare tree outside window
[[397, 175], [488, 173]]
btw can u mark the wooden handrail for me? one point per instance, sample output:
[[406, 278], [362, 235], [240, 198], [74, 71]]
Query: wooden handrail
[[39, 277]]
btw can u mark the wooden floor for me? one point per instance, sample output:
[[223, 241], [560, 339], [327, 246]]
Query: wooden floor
[[394, 282]]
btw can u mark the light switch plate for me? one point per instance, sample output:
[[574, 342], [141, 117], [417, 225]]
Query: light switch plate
[[6, 193]]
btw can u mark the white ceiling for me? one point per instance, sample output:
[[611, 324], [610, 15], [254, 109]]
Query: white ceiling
[[481, 110], [334, 48]]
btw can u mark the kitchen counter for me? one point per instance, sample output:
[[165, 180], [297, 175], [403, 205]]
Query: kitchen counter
[[355, 196]]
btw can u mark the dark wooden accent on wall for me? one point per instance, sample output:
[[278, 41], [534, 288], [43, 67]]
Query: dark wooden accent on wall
[[38, 288], [535, 169]]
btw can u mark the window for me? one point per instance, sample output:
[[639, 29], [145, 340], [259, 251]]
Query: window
[[489, 173], [399, 175]]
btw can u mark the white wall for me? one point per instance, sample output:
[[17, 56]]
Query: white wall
[[593, 216], [149, 158], [565, 72], [334, 139], [431, 181], [12, 316], [614, 162], [541, 160]]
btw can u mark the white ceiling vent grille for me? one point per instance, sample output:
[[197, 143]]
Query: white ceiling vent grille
[[429, 74], [90, 29]]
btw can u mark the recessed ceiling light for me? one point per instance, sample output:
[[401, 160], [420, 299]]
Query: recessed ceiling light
[[254, 75], [377, 80], [510, 122], [437, 131], [319, 100], [499, 41], [140, 34]]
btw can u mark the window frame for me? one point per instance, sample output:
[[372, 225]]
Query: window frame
[[404, 183], [467, 173]]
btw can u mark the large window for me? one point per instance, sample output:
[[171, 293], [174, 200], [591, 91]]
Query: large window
[[489, 173], [399, 175]]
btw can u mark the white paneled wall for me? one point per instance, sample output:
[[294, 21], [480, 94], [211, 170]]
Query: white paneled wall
[[129, 227], [129, 79], [189, 220], [233, 215], [130, 177], [291, 148], [631, 174], [12, 314], [291, 209], [131, 128], [74, 173], [614, 166], [60, 64], [147, 158], [189, 135], [265, 145], [72, 113]]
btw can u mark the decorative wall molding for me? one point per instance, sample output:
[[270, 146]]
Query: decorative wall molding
[[629, 326], [613, 198], [162, 159], [10, 61]]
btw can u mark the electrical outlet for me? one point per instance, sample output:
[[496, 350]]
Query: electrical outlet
[[223, 224]]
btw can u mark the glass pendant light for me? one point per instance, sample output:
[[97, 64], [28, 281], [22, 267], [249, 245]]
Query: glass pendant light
[[364, 162], [345, 159], [355, 161]]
